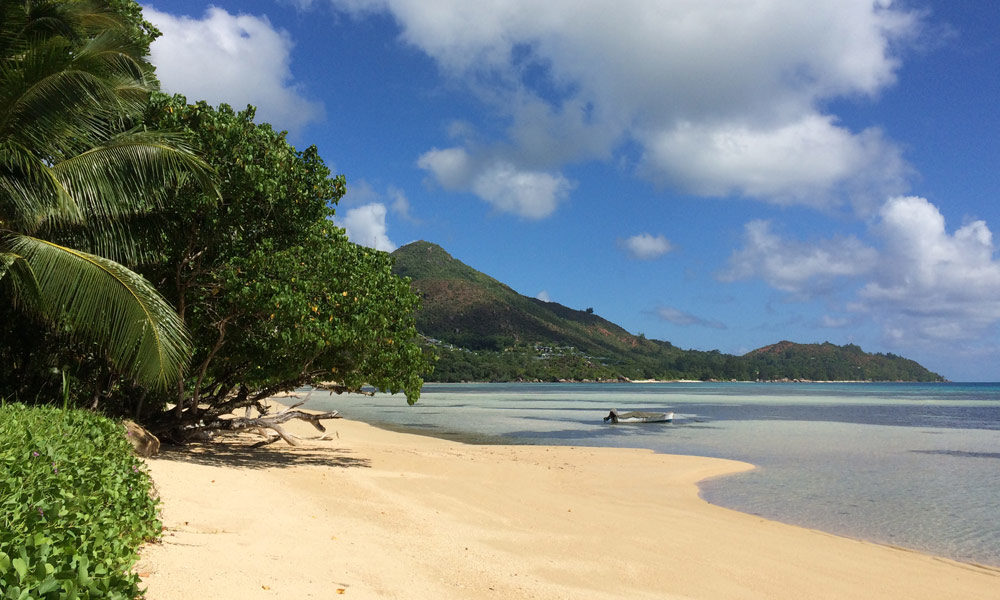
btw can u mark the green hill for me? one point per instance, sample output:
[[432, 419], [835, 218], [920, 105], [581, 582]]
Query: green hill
[[470, 309], [482, 330], [829, 362]]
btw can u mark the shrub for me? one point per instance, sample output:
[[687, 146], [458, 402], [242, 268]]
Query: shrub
[[75, 505]]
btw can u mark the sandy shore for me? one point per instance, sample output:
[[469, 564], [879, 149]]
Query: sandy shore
[[377, 514]]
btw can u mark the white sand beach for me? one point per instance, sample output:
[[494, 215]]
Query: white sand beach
[[371, 513]]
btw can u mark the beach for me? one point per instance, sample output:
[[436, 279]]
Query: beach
[[369, 513]]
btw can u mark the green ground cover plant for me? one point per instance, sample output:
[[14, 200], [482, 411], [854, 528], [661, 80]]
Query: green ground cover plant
[[75, 505]]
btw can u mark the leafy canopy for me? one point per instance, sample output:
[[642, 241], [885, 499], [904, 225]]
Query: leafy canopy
[[274, 294]]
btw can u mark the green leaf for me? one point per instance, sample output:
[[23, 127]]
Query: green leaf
[[40, 571], [20, 567], [111, 304], [47, 585]]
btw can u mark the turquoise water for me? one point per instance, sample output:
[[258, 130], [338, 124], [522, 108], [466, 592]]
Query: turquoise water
[[912, 465]]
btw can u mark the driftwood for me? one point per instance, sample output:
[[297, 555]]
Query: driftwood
[[337, 388], [260, 424], [143, 442]]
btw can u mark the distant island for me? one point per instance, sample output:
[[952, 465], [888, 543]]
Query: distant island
[[480, 329]]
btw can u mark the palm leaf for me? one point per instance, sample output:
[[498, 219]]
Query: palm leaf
[[126, 175], [16, 273], [101, 300], [30, 191]]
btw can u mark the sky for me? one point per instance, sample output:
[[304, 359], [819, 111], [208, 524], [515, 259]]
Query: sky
[[720, 174]]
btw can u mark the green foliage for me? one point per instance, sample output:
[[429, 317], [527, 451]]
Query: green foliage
[[75, 505], [141, 31], [274, 295]]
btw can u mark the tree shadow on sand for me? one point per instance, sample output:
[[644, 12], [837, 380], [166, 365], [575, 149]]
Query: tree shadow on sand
[[241, 454]]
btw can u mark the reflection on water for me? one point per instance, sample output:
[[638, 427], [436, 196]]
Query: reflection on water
[[906, 464]]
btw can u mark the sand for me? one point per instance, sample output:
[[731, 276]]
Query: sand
[[378, 514]]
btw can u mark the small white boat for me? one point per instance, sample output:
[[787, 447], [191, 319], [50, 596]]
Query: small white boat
[[638, 416]]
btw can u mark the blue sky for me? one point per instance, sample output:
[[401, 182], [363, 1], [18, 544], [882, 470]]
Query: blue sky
[[722, 175]]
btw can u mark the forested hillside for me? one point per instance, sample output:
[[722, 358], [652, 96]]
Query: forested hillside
[[482, 330]]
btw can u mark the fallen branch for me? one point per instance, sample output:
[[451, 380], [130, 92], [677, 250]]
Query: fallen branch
[[264, 421], [336, 388]]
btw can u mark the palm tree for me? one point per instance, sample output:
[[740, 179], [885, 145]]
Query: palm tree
[[74, 172]]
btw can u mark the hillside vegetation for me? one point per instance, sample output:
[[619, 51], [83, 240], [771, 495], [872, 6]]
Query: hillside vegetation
[[482, 330]]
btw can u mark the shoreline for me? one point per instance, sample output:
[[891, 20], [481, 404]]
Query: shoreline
[[373, 513]]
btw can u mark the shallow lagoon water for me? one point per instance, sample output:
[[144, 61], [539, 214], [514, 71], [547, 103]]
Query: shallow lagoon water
[[911, 465]]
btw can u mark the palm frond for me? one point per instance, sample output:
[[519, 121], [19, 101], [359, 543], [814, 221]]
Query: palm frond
[[17, 276], [99, 299], [57, 96], [127, 175], [30, 192], [133, 240], [121, 179], [58, 112]]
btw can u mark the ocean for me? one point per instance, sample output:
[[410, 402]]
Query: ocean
[[910, 465]]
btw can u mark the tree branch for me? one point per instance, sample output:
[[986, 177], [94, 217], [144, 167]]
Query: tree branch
[[274, 423]]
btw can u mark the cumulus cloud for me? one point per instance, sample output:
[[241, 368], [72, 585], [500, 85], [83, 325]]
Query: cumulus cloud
[[718, 159], [393, 200], [508, 188], [931, 284], [366, 225], [452, 167], [920, 283], [801, 268], [236, 59], [646, 246], [720, 98], [544, 296], [685, 319]]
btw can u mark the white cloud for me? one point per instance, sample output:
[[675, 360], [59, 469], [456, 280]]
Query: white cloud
[[361, 192], [530, 194], [544, 296], [808, 161], [801, 268], [685, 319], [645, 246], [930, 284], [451, 167], [508, 188], [923, 285], [720, 97], [236, 59], [365, 225]]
